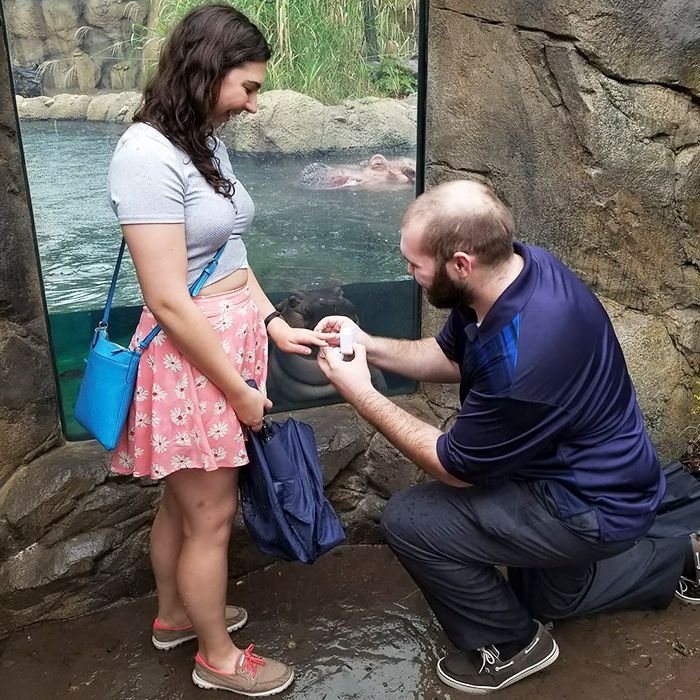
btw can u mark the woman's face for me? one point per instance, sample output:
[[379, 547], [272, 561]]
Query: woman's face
[[238, 92]]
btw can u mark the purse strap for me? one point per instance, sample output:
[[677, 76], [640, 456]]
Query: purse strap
[[194, 289]]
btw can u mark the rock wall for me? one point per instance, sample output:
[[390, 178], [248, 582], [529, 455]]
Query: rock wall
[[28, 402], [585, 117], [286, 122], [83, 44]]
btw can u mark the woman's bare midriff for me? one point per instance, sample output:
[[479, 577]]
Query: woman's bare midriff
[[235, 280]]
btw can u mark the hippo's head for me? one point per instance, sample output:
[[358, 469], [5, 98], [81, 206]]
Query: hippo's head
[[304, 309], [391, 171]]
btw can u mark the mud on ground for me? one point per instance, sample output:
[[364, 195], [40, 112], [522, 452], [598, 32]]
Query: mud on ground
[[355, 627]]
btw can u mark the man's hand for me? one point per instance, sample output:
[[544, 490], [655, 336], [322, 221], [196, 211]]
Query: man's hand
[[350, 378]]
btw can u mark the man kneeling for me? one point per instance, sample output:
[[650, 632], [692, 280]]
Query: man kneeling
[[547, 470]]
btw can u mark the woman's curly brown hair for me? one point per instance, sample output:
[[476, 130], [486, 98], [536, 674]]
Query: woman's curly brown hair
[[179, 98]]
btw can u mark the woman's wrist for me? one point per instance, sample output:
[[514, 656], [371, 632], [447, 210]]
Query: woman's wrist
[[275, 324]]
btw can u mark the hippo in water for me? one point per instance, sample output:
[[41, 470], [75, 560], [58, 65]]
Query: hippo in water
[[295, 378], [376, 173]]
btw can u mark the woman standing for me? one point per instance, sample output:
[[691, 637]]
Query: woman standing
[[178, 201]]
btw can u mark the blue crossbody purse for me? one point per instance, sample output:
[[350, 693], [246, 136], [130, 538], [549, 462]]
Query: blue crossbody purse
[[108, 384]]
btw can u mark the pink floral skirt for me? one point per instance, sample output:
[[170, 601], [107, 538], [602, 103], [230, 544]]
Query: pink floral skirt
[[178, 418]]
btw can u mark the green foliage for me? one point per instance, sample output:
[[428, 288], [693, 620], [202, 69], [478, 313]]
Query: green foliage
[[321, 47]]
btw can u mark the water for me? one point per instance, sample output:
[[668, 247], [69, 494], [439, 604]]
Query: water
[[300, 237]]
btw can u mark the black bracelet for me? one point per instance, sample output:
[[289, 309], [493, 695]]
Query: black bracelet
[[269, 317]]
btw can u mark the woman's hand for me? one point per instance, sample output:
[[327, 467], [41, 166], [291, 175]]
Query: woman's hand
[[297, 340], [329, 328], [250, 406]]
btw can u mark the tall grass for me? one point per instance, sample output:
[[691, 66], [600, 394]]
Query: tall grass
[[320, 46]]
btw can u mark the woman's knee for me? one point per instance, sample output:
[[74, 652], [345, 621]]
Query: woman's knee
[[210, 517]]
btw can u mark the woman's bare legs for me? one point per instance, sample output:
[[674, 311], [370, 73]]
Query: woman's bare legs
[[166, 543], [207, 502]]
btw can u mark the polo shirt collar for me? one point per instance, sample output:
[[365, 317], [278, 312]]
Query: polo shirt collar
[[511, 301]]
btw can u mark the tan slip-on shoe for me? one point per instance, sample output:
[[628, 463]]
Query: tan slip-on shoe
[[165, 638], [254, 676]]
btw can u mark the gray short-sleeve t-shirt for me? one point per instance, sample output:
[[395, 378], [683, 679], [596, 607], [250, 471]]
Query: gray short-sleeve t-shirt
[[151, 181]]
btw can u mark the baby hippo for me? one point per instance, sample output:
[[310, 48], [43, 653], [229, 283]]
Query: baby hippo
[[377, 173]]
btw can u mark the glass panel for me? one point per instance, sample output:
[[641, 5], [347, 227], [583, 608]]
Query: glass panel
[[308, 239]]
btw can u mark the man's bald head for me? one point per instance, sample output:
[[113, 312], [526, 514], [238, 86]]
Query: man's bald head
[[464, 216]]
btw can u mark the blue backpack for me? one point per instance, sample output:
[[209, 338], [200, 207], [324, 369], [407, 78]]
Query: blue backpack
[[284, 508]]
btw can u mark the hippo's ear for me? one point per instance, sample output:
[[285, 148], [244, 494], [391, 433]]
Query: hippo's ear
[[378, 162], [294, 299]]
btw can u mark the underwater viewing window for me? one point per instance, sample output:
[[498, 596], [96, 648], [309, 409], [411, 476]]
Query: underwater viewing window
[[326, 233]]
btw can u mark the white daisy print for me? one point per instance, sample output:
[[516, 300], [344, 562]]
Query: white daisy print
[[245, 373], [196, 436], [224, 322], [181, 386], [238, 357], [242, 455], [150, 361], [141, 394], [218, 430], [157, 393], [141, 420], [219, 453], [189, 408], [220, 407], [225, 307], [242, 330], [172, 362], [250, 356], [200, 382], [238, 437], [179, 416], [126, 461], [180, 461], [183, 439], [155, 420], [158, 471], [160, 339], [131, 432], [138, 452], [205, 461], [160, 443], [202, 406], [259, 367], [226, 345]]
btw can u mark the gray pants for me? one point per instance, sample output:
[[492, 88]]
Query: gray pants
[[451, 541]]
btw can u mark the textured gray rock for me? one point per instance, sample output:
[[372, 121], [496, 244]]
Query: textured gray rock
[[287, 122], [28, 404], [585, 117]]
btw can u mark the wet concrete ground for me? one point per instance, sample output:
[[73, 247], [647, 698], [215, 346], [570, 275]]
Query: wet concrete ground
[[354, 627]]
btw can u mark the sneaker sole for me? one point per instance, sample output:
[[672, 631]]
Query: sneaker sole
[[483, 690], [166, 646], [689, 601], [207, 685]]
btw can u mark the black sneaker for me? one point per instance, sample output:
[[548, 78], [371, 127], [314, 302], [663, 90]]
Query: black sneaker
[[688, 590], [484, 672]]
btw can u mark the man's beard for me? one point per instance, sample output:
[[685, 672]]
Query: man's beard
[[443, 293]]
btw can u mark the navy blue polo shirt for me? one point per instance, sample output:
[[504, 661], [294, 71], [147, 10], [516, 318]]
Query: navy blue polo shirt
[[546, 396]]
